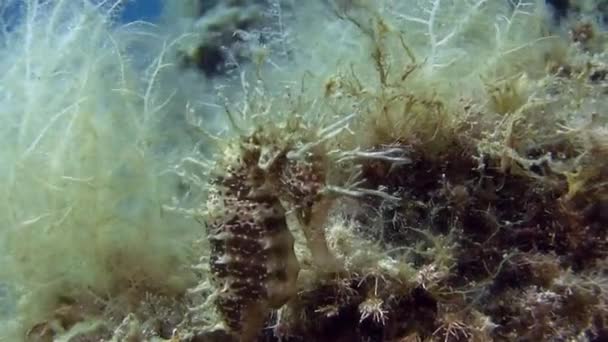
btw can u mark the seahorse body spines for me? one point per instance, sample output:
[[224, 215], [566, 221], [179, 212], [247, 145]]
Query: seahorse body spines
[[253, 263]]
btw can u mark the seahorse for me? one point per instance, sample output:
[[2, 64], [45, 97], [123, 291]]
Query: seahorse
[[253, 262]]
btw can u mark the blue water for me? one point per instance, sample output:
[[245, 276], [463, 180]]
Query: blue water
[[134, 10], [147, 10]]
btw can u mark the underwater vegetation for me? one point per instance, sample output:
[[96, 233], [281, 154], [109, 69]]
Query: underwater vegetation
[[348, 170]]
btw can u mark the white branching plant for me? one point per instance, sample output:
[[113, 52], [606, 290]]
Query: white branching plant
[[459, 35], [80, 189], [442, 24]]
